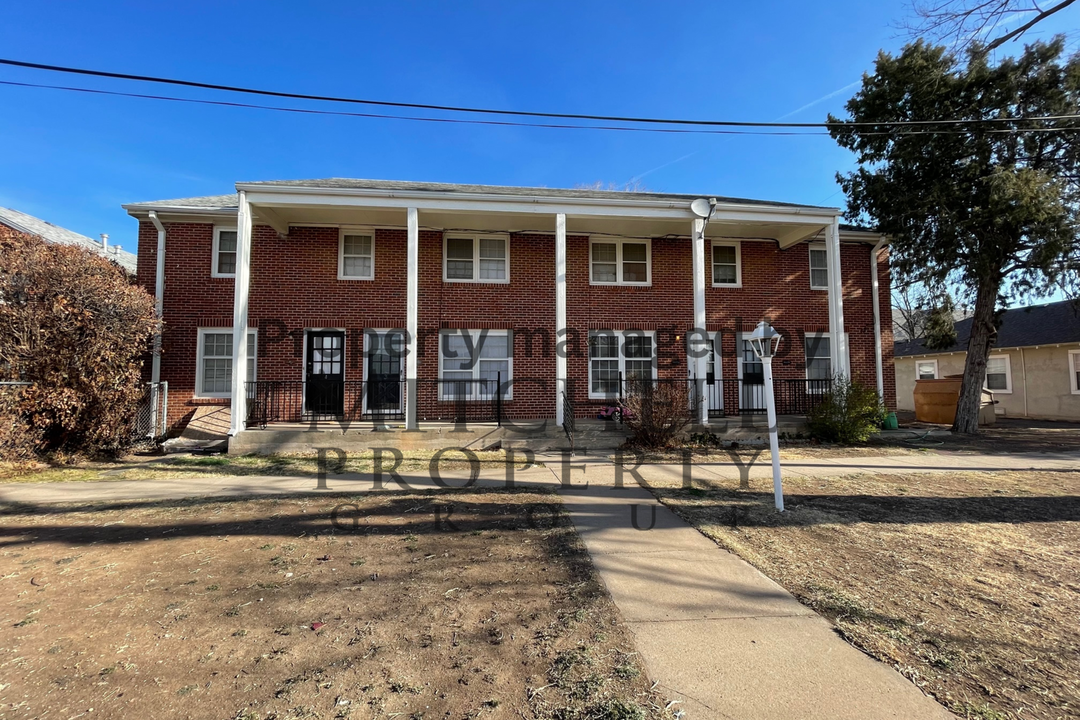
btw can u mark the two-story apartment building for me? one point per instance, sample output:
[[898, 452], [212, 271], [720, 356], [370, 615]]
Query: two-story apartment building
[[413, 302]]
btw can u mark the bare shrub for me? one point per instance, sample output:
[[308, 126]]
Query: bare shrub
[[656, 411], [73, 326]]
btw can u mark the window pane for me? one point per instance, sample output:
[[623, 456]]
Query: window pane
[[492, 248], [818, 259], [635, 272], [634, 252], [459, 269], [492, 346], [996, 381], [604, 346], [358, 245], [459, 248], [217, 375], [492, 269], [603, 252], [491, 371], [604, 272], [227, 241], [638, 369], [605, 376], [819, 278], [638, 346], [723, 254], [817, 346], [725, 274], [357, 267], [818, 369], [226, 263], [995, 366]]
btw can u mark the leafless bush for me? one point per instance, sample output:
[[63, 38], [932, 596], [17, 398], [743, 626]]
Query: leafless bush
[[656, 412]]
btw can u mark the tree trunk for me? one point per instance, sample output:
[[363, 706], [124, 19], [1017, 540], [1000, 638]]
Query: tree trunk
[[982, 334]]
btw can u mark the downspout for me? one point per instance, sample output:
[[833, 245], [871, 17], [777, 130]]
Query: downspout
[[1023, 371], [877, 318], [159, 309]]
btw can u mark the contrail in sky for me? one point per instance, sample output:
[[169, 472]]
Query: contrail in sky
[[821, 99], [659, 167]]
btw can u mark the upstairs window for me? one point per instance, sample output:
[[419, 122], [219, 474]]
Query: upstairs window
[[476, 258], [356, 256], [726, 265], [819, 268], [224, 253], [620, 262]]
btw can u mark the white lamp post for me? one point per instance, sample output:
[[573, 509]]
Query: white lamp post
[[765, 342]]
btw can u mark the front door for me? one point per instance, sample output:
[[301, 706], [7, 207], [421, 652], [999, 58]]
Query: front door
[[384, 372], [324, 389], [751, 379]]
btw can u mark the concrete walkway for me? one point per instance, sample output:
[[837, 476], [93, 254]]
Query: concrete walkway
[[720, 637]]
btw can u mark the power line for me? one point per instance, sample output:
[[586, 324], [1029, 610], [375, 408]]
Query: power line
[[520, 113], [512, 123]]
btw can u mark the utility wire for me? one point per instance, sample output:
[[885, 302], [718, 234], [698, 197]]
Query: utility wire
[[517, 123], [521, 113]]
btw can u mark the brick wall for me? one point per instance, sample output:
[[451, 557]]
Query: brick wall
[[294, 286]]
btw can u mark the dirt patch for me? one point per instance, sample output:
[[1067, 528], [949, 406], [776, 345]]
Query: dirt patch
[[418, 605], [968, 583], [175, 467]]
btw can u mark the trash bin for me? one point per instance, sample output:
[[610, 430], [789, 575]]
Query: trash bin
[[890, 422]]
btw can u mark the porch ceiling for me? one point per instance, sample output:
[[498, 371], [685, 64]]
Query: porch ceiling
[[788, 233]]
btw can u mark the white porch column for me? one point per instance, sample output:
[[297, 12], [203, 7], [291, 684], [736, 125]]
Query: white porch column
[[560, 314], [877, 318], [700, 344], [412, 322], [241, 285], [838, 355]]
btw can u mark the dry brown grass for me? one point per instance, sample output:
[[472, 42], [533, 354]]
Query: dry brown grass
[[967, 583], [207, 609]]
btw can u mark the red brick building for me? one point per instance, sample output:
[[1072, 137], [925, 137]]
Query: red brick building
[[515, 303]]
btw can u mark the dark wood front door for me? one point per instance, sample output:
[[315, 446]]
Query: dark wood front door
[[325, 375]]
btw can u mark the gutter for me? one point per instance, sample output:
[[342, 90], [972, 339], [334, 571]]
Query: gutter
[[159, 298], [877, 317]]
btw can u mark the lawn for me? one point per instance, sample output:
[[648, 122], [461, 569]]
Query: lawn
[[415, 605], [968, 584], [171, 467]]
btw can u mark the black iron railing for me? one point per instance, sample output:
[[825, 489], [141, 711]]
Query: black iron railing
[[723, 397], [343, 400]]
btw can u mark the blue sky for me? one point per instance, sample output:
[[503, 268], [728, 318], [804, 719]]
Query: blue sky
[[73, 159]]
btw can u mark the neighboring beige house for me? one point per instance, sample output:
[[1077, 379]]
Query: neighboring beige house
[[21, 222], [1033, 370]]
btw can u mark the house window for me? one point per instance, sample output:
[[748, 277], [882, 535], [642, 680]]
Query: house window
[[476, 258], [999, 374], [620, 262], [224, 252], [213, 373], [473, 362], [631, 353], [819, 268], [818, 360], [356, 256], [726, 265], [1074, 371], [926, 369]]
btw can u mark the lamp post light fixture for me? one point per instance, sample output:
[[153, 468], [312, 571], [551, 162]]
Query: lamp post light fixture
[[765, 341]]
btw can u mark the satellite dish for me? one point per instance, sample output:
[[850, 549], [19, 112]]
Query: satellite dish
[[701, 207]]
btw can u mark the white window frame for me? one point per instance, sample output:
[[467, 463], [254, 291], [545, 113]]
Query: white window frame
[[937, 375], [341, 252], [1074, 367], [1008, 374], [199, 345], [817, 247], [738, 263], [621, 356], [828, 335], [218, 229], [476, 238], [475, 369], [618, 243]]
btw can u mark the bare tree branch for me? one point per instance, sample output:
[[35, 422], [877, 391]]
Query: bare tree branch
[[964, 23]]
